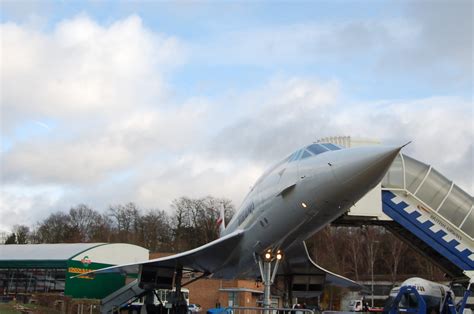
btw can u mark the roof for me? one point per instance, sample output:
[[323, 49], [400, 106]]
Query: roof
[[41, 255], [241, 290], [60, 251]]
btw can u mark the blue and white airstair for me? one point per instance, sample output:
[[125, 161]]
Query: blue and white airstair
[[430, 212], [432, 208]]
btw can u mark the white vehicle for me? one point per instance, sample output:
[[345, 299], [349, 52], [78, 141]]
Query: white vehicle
[[194, 308], [164, 296], [356, 305]]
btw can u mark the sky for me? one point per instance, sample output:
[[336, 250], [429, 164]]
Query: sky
[[109, 102]]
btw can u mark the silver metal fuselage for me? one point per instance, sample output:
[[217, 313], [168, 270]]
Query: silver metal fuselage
[[295, 199]]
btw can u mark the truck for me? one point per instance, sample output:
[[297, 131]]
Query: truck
[[161, 298], [361, 305]]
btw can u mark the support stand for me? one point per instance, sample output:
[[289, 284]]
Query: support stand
[[288, 294], [268, 276], [179, 305], [148, 303]]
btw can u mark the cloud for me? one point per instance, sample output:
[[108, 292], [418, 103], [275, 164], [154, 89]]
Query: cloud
[[83, 160], [429, 41], [104, 91], [446, 33], [197, 175], [26, 206], [83, 70], [439, 47], [113, 130], [81, 105], [306, 42], [287, 113], [283, 115], [440, 127]]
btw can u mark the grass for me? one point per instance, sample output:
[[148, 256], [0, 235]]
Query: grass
[[14, 308], [8, 308]]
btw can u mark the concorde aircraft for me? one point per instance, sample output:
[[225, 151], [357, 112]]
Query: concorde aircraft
[[291, 201]]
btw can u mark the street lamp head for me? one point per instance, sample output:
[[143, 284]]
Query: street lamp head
[[268, 256]]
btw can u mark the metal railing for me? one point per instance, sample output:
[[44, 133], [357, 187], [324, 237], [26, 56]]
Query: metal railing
[[262, 310]]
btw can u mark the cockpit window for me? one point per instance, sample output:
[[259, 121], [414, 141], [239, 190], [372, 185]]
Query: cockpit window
[[296, 155], [306, 154], [311, 150], [293, 156], [317, 149], [331, 146]]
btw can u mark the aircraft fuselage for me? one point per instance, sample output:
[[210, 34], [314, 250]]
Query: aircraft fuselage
[[300, 195]]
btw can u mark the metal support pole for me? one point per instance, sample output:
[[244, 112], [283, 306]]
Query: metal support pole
[[275, 269], [179, 303], [178, 278], [149, 297], [268, 277], [372, 282], [290, 292], [267, 302], [372, 262]]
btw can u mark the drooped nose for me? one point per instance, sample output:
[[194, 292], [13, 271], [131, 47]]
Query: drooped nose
[[364, 166]]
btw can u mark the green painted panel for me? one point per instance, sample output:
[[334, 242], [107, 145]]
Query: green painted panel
[[33, 264], [96, 287]]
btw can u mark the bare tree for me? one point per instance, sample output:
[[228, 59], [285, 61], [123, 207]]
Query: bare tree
[[210, 213], [154, 231], [182, 223], [55, 229], [372, 237], [393, 254], [125, 220], [102, 230], [22, 233], [327, 249], [355, 250], [195, 220], [83, 220]]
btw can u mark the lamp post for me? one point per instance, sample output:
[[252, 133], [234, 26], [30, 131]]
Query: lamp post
[[268, 277], [372, 275], [372, 262]]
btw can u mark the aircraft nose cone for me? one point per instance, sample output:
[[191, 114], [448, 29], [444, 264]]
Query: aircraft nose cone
[[365, 166]]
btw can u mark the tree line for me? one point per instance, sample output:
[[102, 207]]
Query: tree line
[[360, 252], [356, 252], [193, 222]]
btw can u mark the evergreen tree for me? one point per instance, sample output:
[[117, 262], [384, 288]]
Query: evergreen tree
[[11, 239]]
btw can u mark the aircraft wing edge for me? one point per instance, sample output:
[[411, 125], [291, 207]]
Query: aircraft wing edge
[[133, 267]]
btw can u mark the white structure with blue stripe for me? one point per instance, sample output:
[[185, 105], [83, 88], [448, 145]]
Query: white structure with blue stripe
[[424, 202], [432, 207]]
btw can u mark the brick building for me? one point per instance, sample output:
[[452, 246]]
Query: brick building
[[211, 293]]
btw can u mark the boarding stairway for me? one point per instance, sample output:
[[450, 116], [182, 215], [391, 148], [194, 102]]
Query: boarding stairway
[[116, 299], [426, 210]]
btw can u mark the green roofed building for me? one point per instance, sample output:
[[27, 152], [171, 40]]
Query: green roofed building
[[48, 268]]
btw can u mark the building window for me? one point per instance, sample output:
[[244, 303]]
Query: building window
[[233, 299], [28, 280]]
